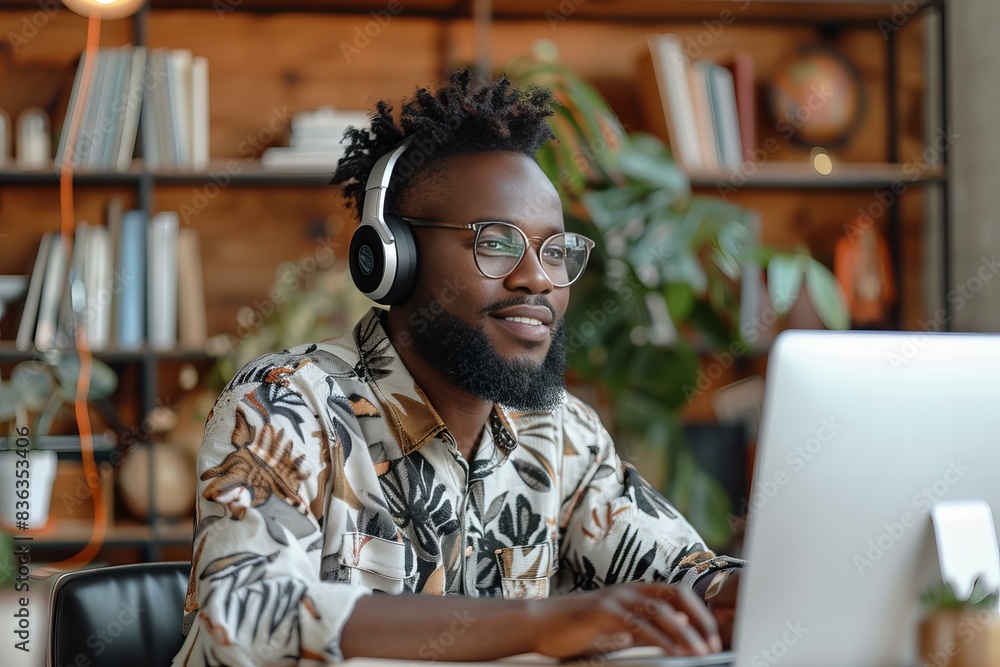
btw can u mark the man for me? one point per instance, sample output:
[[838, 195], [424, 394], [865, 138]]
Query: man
[[434, 448]]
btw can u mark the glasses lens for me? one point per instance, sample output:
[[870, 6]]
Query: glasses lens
[[564, 257], [499, 248]]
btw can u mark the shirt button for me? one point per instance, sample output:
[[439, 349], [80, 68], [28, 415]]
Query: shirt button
[[468, 551]]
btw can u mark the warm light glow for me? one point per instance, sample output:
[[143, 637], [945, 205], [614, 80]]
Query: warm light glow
[[107, 10], [822, 162]]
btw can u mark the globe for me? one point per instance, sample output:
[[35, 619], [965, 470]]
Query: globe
[[817, 97]]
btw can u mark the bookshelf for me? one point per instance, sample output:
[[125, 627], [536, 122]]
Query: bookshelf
[[269, 59]]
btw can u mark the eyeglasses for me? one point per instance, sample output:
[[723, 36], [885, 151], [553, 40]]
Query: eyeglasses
[[500, 246]]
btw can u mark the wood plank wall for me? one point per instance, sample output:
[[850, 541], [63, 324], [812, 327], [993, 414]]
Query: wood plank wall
[[266, 66]]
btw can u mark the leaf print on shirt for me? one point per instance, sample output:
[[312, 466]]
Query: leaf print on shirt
[[583, 571], [630, 560], [645, 496], [418, 504], [375, 351], [253, 606], [514, 528], [340, 415], [264, 463]]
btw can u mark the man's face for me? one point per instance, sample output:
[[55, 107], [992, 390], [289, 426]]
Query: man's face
[[472, 327]]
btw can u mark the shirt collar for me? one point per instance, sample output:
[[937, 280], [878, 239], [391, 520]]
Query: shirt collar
[[411, 415]]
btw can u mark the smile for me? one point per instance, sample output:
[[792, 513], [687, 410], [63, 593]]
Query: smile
[[525, 320]]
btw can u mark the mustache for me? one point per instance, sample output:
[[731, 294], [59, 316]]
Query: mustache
[[514, 301]]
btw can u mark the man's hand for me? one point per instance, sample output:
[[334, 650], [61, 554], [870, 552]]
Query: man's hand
[[617, 617], [723, 607]]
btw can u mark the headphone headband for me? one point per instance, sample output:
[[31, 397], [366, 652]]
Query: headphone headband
[[377, 188]]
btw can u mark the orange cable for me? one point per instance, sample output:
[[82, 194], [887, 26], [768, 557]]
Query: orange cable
[[66, 206]]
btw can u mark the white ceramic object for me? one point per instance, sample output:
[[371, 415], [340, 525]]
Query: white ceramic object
[[41, 467], [34, 144]]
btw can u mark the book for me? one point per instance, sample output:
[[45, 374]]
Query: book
[[86, 136], [191, 315], [726, 119], [701, 103], [97, 284], [70, 106], [52, 288], [106, 122], [29, 315], [741, 65], [66, 321], [113, 220], [133, 104], [130, 312], [199, 114], [161, 283], [149, 120], [670, 65], [179, 63]]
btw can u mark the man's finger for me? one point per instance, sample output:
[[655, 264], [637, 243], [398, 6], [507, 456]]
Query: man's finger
[[677, 625], [684, 600]]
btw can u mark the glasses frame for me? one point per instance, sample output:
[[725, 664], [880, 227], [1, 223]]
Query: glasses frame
[[478, 227]]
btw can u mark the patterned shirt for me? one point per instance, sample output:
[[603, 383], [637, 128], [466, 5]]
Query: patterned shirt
[[326, 474]]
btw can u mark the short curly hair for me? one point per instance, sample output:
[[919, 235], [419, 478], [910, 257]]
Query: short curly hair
[[457, 119]]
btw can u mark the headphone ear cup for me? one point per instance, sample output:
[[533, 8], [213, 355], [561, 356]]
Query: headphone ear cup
[[370, 260]]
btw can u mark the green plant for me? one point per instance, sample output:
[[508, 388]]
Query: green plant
[[665, 279], [942, 596], [39, 388]]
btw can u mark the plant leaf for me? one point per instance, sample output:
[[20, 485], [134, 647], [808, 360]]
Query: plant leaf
[[826, 296], [103, 380], [33, 382], [784, 280]]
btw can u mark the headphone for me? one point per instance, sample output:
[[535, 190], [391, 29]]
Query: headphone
[[383, 254]]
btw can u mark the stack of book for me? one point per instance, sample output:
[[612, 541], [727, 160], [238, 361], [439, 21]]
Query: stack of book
[[315, 143], [171, 89], [109, 119], [128, 284], [175, 130], [707, 108]]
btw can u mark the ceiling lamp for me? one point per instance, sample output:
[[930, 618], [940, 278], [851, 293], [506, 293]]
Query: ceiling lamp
[[105, 9]]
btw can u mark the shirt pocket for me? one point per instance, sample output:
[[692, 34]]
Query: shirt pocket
[[525, 570], [377, 563]]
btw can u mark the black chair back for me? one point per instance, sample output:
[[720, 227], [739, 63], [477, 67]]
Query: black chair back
[[116, 616]]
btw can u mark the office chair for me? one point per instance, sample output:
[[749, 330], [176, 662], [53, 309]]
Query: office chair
[[118, 616]]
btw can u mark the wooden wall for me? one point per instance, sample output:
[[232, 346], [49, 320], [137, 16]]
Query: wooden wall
[[266, 67]]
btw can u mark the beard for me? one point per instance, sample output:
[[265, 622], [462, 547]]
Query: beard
[[463, 353]]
